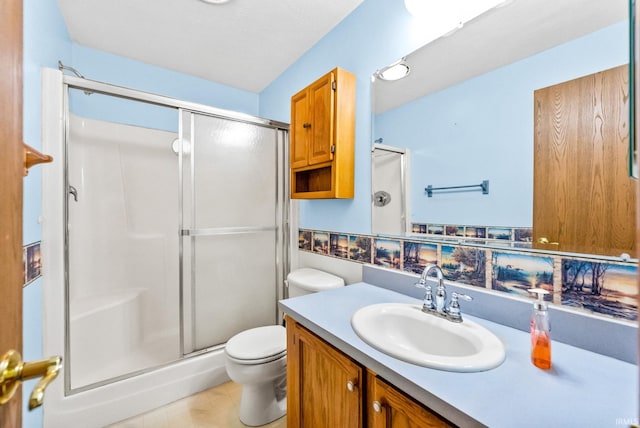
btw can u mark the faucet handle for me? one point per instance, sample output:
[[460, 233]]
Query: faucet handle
[[454, 313], [427, 303]]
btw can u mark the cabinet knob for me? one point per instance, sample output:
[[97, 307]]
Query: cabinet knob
[[377, 407], [351, 386], [306, 125]]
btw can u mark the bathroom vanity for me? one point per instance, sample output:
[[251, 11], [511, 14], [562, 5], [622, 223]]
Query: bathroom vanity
[[327, 388], [336, 379]]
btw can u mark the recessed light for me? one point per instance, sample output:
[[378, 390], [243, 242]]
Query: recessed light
[[215, 1]]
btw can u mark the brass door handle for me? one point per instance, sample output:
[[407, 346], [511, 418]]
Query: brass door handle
[[544, 240], [13, 371]]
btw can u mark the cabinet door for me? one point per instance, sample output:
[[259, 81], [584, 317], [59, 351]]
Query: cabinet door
[[322, 94], [300, 129], [583, 196], [389, 408], [323, 385]]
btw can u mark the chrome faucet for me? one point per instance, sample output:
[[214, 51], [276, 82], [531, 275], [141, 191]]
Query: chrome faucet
[[439, 308]]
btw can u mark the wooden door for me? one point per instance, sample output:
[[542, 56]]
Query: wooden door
[[300, 129], [584, 199], [389, 408], [11, 175], [323, 385], [322, 119]]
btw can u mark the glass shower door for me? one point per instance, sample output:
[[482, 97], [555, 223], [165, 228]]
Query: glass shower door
[[122, 244], [231, 221]]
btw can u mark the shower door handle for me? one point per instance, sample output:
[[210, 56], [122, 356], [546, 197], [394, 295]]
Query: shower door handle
[[13, 371], [73, 192]]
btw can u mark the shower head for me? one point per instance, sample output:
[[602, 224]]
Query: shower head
[[63, 67]]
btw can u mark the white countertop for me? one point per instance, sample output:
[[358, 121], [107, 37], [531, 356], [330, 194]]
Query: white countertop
[[583, 389]]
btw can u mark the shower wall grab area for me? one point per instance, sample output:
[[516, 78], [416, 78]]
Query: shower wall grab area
[[166, 232]]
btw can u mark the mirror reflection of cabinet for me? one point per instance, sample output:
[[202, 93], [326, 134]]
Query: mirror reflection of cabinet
[[584, 199], [323, 137]]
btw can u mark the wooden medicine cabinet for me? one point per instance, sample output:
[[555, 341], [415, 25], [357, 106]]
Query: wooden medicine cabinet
[[323, 137]]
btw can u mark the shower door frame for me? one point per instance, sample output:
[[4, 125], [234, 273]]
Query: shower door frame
[[282, 241]]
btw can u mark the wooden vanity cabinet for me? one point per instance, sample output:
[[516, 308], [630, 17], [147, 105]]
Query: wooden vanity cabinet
[[323, 137], [327, 389], [323, 384], [389, 408]]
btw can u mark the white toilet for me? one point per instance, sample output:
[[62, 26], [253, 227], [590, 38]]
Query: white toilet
[[257, 358]]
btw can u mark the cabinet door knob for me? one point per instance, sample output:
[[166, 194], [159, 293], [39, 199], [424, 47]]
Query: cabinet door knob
[[377, 407], [306, 125], [351, 386]]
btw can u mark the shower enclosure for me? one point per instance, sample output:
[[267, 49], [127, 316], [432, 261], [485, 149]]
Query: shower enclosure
[[389, 184], [173, 236]]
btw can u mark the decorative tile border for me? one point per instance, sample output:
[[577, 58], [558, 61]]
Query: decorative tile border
[[603, 287], [519, 237], [31, 263]]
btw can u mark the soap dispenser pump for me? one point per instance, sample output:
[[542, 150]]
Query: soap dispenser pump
[[540, 338]]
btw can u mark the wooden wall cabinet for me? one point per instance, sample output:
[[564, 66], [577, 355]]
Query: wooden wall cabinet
[[326, 388], [323, 137], [584, 200]]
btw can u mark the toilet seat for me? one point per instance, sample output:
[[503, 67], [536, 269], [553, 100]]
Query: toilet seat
[[258, 345]]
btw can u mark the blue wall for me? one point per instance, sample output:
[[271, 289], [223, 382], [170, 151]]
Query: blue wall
[[483, 129], [46, 41], [117, 70], [377, 33]]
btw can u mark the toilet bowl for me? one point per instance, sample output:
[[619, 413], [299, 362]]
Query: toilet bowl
[[257, 358]]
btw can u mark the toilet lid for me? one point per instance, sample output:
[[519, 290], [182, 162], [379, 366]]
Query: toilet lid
[[258, 343]]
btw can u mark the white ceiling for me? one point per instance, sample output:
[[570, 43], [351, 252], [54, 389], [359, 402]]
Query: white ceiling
[[244, 43], [497, 38]]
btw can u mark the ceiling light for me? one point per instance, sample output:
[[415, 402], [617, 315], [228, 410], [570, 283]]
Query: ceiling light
[[395, 71], [215, 1]]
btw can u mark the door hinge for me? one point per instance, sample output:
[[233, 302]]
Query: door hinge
[[333, 85], [333, 148]]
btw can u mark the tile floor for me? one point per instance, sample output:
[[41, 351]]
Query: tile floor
[[213, 408]]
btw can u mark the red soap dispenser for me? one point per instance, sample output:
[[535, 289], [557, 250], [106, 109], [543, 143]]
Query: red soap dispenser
[[540, 338]]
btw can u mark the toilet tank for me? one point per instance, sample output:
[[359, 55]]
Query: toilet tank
[[306, 281]]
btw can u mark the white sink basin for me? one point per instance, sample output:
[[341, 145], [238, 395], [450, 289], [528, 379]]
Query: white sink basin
[[405, 332]]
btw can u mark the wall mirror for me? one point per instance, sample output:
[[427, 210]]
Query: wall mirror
[[473, 110]]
